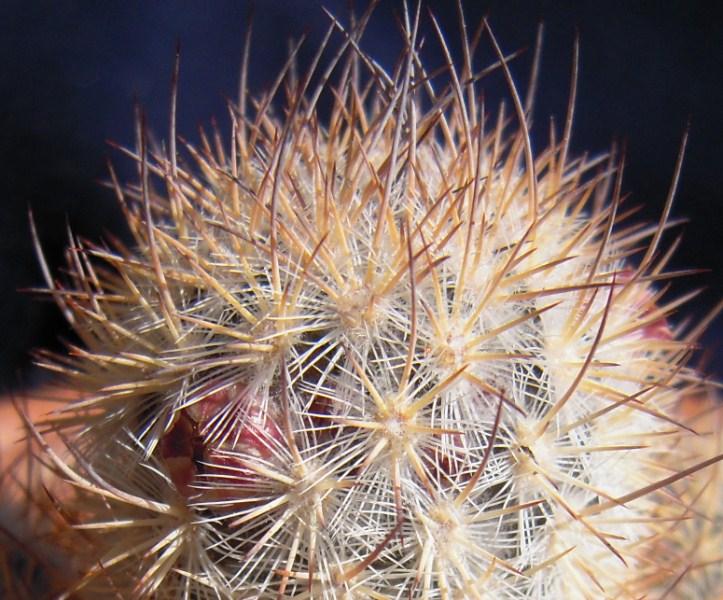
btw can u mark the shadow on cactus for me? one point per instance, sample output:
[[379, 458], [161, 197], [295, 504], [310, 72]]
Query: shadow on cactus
[[389, 353]]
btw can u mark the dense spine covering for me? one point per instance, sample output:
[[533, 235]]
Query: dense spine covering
[[390, 355]]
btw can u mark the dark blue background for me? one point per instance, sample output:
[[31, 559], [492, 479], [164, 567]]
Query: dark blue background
[[71, 69]]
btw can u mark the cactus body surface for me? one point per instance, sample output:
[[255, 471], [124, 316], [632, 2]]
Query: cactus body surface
[[388, 354]]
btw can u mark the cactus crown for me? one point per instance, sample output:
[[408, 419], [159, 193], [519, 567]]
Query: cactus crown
[[386, 355]]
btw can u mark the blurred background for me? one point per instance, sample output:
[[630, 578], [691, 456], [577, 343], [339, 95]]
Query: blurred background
[[71, 70]]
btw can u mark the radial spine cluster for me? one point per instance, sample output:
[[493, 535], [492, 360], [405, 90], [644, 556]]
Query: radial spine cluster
[[386, 353]]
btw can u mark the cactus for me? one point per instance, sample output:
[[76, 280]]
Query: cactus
[[385, 354]]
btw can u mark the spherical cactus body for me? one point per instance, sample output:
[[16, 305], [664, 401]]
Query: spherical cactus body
[[383, 353]]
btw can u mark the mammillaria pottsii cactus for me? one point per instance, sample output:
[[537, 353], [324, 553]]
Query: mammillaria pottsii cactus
[[390, 354]]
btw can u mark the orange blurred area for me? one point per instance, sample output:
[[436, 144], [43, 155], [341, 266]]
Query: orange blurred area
[[37, 405]]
